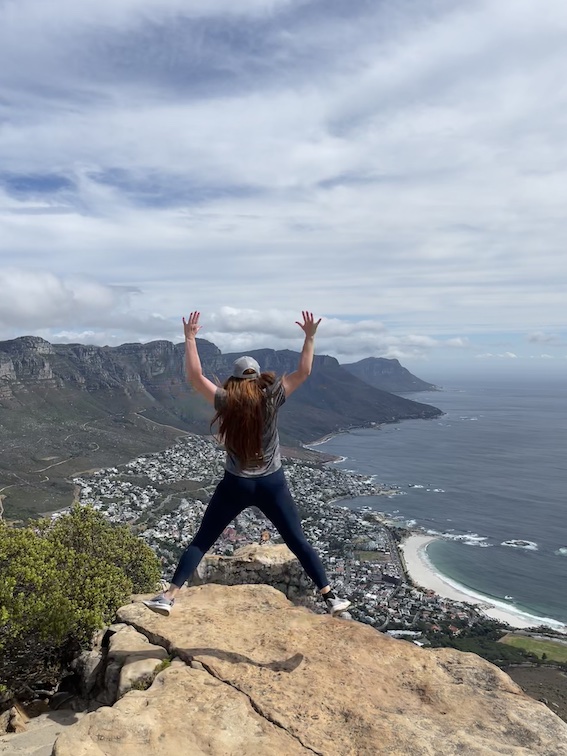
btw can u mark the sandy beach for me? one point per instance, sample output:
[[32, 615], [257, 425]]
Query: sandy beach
[[422, 573]]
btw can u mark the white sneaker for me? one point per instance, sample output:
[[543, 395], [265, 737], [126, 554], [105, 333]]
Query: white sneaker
[[160, 605], [336, 605]]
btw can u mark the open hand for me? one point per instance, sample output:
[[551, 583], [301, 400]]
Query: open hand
[[309, 326], [191, 326]]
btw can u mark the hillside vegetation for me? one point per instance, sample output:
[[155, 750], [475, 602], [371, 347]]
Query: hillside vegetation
[[61, 581]]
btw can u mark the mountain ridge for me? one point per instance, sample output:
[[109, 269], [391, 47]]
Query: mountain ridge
[[388, 374], [65, 408]]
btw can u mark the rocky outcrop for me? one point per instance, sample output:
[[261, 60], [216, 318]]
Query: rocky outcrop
[[25, 361], [131, 658], [120, 658], [254, 674], [13, 720], [270, 565], [388, 375], [186, 711]]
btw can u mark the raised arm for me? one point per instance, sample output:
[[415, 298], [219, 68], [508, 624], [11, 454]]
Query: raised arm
[[193, 368], [294, 380]]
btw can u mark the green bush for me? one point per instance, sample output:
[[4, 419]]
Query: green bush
[[87, 532], [59, 582]]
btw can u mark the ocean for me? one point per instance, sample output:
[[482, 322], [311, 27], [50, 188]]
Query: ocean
[[491, 476]]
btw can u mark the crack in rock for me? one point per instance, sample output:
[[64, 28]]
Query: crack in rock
[[259, 711], [173, 651]]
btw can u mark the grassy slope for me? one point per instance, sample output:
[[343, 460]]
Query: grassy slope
[[555, 651]]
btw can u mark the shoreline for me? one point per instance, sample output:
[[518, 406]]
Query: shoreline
[[323, 439], [419, 569], [343, 431], [423, 573]]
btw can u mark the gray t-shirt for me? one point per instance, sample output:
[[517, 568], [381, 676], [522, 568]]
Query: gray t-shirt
[[275, 397]]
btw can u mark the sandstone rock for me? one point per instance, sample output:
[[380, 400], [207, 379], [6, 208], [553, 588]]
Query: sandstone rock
[[37, 707], [184, 712], [40, 735], [272, 565], [18, 720], [131, 659], [4, 721], [324, 685], [111, 630], [88, 666], [61, 700]]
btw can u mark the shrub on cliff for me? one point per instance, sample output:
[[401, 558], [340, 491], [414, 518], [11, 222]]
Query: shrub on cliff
[[60, 582], [87, 532]]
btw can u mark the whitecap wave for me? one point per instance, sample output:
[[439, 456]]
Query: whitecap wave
[[426, 488], [517, 544], [468, 539], [561, 552]]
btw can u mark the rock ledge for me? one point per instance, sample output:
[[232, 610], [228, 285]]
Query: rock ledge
[[257, 675]]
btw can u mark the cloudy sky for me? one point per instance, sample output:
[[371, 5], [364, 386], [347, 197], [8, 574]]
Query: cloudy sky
[[397, 166]]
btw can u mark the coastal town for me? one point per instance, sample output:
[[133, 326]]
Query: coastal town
[[164, 495]]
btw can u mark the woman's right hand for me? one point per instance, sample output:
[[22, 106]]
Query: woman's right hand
[[309, 326], [191, 326]]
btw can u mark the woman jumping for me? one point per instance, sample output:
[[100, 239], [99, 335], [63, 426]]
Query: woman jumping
[[246, 411]]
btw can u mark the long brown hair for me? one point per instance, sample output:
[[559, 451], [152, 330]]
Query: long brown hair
[[241, 419]]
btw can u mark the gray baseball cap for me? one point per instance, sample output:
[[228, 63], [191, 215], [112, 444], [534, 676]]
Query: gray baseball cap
[[245, 363]]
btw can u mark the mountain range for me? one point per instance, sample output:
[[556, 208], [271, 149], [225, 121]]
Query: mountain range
[[66, 408]]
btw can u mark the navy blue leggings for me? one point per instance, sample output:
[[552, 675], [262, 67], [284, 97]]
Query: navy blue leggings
[[271, 495]]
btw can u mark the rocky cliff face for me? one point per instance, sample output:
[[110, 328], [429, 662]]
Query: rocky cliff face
[[25, 361], [152, 377], [31, 359], [254, 674], [267, 564], [387, 375]]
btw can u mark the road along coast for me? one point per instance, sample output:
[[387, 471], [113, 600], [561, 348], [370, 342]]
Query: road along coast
[[422, 573]]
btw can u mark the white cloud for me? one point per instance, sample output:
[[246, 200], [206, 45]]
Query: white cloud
[[399, 169], [43, 304], [234, 329], [40, 302], [502, 355], [458, 342], [540, 337]]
